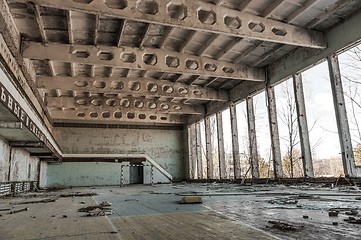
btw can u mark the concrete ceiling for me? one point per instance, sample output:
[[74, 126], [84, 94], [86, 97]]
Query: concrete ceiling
[[159, 62]]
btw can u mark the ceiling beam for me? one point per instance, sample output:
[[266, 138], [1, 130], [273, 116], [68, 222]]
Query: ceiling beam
[[121, 31], [115, 117], [137, 87], [269, 10], [327, 13], [40, 22], [26, 144], [244, 5], [42, 154], [127, 103], [300, 10], [11, 125], [339, 38], [144, 59], [96, 29], [145, 34], [195, 9]]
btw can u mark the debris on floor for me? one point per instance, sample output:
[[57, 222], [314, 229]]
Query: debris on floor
[[282, 201], [353, 212], [46, 200], [4, 209], [78, 194], [284, 226], [190, 200], [106, 204], [96, 210], [333, 213], [19, 210], [353, 220]]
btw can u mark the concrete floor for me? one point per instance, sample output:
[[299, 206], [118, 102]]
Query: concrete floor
[[152, 212]]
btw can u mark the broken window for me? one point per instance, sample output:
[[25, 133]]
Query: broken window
[[321, 121]]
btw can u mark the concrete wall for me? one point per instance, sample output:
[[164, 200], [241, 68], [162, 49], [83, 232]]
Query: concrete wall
[[94, 174], [166, 147], [22, 166], [4, 160], [43, 174]]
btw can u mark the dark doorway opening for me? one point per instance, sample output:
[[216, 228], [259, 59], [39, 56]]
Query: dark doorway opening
[[136, 175]]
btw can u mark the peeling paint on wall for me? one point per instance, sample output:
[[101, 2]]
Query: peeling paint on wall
[[23, 167], [4, 161], [166, 147]]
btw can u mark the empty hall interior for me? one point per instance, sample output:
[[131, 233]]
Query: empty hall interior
[[180, 119]]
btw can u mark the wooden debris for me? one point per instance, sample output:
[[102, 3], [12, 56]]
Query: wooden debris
[[46, 200], [19, 210], [190, 200], [78, 194], [353, 220], [352, 212], [282, 201], [333, 213], [106, 204], [96, 210], [283, 226]]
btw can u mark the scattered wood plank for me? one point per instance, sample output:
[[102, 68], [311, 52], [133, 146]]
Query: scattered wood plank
[[78, 194], [19, 210], [46, 200]]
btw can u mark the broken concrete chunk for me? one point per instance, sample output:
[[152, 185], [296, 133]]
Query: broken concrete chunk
[[353, 220], [106, 204], [333, 213], [284, 226], [96, 210], [190, 200], [352, 212]]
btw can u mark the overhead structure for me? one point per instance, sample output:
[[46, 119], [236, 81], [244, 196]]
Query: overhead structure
[[190, 54], [163, 65]]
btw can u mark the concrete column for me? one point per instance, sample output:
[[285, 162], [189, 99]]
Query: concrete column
[[252, 138], [302, 126], [235, 144], [221, 151], [199, 151], [209, 155], [275, 137], [344, 135], [192, 151]]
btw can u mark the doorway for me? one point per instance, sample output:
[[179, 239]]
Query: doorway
[[136, 175]]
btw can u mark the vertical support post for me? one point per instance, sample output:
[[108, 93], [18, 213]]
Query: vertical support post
[[209, 155], [275, 137], [252, 138], [344, 135], [302, 126], [192, 151], [235, 144], [121, 176], [151, 175], [199, 151], [221, 150]]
